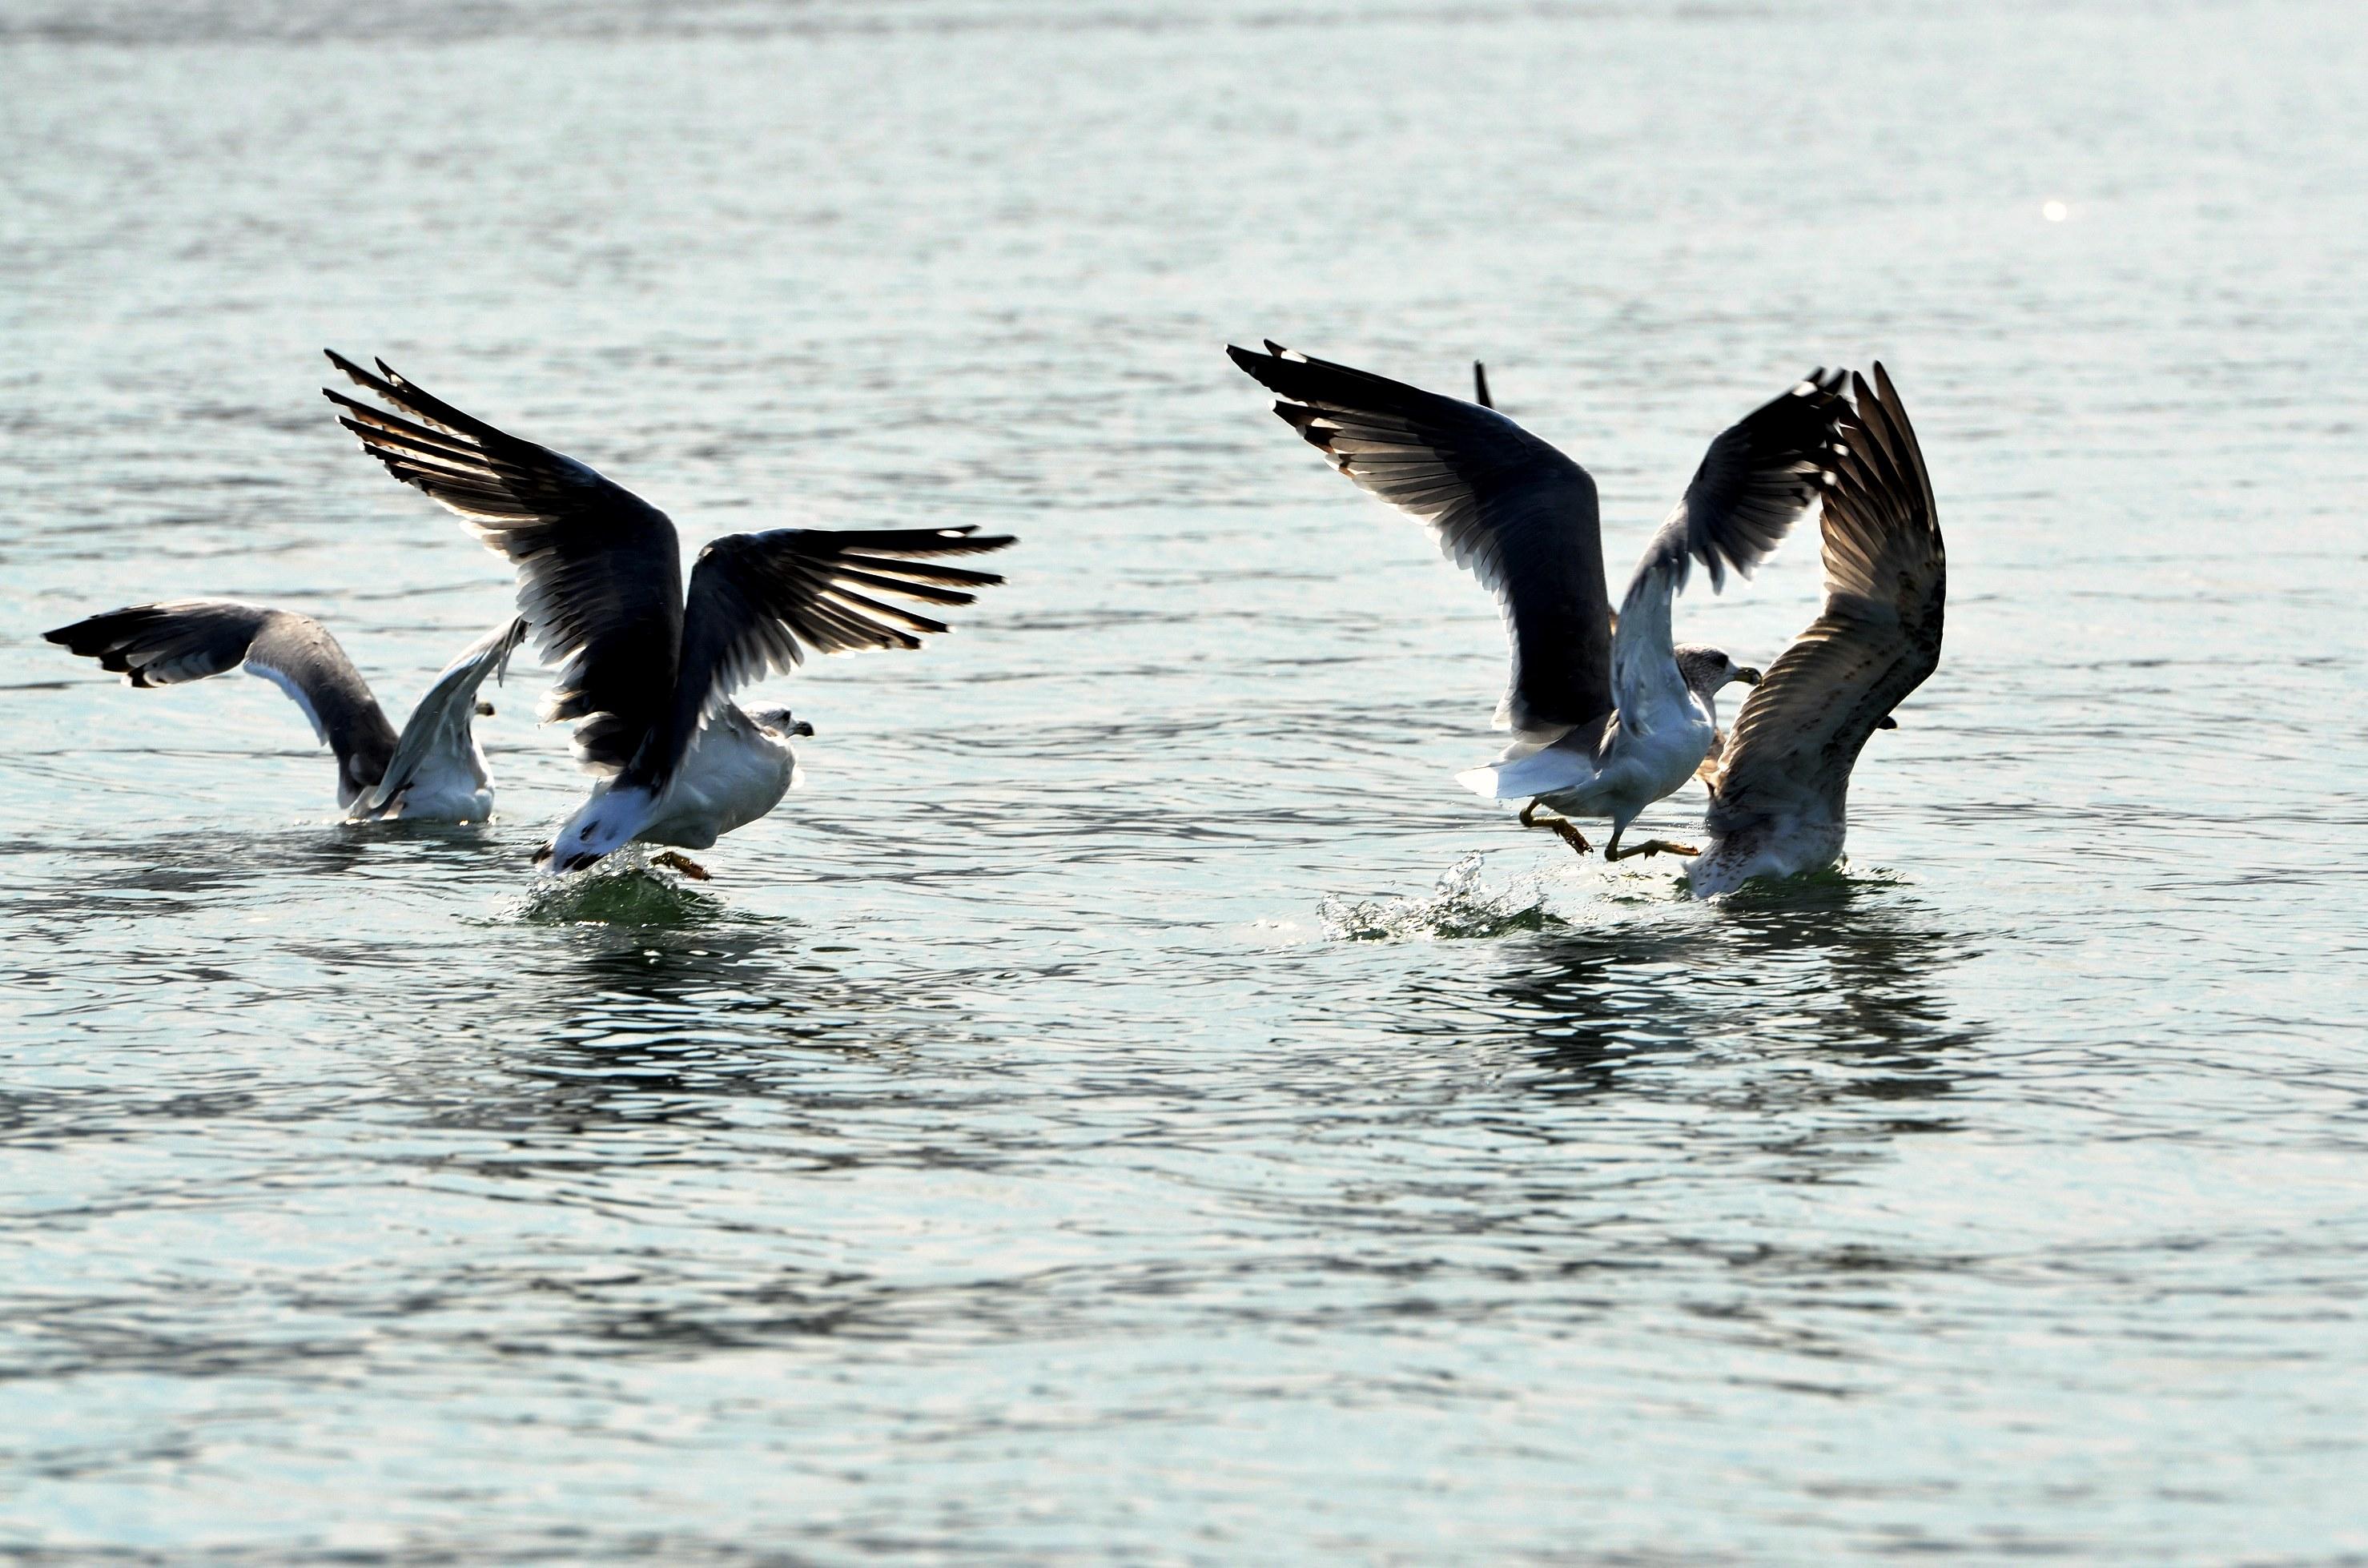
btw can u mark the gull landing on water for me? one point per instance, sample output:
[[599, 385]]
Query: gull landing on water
[[1606, 719], [1779, 799], [434, 771], [646, 672]]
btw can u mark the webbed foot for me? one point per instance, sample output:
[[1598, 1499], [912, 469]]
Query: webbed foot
[[1568, 833], [1564, 828], [683, 863]]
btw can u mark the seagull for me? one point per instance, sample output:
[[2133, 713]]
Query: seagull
[[1608, 714], [1779, 797], [434, 771], [646, 674]]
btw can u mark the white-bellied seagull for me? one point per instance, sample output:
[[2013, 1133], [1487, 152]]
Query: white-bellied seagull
[[1605, 722], [1779, 798], [434, 771], [647, 674]]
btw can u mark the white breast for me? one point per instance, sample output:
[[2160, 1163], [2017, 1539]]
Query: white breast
[[453, 785], [1645, 762], [733, 774]]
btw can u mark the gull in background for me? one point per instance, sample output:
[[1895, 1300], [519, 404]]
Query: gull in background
[[646, 673], [1608, 714], [1779, 798], [434, 771]]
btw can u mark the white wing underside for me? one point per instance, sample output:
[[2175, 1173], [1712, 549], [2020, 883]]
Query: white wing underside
[[296, 694]]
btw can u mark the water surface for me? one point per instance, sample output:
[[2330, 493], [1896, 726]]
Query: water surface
[[1130, 1104]]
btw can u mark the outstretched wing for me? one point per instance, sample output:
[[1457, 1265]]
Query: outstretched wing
[[1755, 481], [599, 572], [185, 640], [1516, 513], [444, 719], [1759, 478], [760, 603], [1886, 583]]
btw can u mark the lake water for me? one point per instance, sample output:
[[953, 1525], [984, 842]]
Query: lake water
[[1131, 1105]]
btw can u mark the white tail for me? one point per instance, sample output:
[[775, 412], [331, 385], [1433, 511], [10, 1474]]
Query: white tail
[[1544, 772], [604, 825]]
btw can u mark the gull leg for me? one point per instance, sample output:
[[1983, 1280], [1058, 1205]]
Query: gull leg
[[1562, 828], [683, 863], [1650, 847]]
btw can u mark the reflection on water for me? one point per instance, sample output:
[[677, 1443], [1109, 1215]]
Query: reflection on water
[[1860, 970]]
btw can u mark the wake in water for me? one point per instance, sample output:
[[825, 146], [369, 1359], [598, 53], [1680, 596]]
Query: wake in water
[[1461, 906]]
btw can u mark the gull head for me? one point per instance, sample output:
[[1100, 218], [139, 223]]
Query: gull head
[[780, 724], [1707, 670]]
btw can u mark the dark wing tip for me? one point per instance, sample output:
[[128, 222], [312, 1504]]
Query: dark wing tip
[[1260, 367], [977, 543]]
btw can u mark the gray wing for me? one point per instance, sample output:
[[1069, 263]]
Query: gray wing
[[446, 717], [599, 572], [759, 603], [1886, 584], [1518, 515], [185, 640]]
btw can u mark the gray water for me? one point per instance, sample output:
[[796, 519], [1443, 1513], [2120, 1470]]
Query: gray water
[[1131, 1103]]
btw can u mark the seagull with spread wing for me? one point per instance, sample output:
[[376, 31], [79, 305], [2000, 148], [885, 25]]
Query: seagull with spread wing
[[646, 672], [1779, 798], [1606, 719], [434, 771]]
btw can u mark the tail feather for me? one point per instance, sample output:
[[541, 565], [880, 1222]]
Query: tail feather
[[1546, 772], [602, 826]]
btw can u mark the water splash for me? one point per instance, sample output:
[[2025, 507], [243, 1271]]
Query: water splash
[[623, 890], [1460, 907]]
